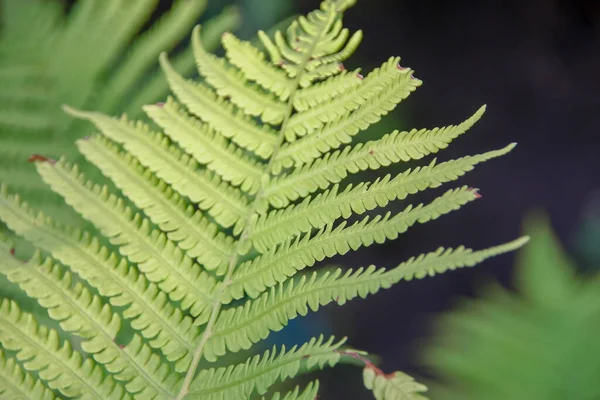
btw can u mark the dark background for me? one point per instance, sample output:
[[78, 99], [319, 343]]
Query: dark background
[[536, 64]]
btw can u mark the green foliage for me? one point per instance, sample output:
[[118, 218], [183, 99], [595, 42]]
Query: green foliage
[[397, 386], [540, 343], [222, 202], [87, 58]]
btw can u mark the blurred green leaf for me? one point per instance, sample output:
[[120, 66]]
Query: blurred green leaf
[[541, 343]]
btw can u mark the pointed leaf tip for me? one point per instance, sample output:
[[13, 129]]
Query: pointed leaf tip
[[476, 193], [69, 110], [163, 60]]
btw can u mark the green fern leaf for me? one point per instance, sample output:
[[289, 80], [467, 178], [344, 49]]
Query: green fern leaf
[[207, 147], [272, 229], [309, 393], [392, 148], [258, 373], [229, 82], [224, 202], [251, 62], [147, 305], [224, 198], [193, 232], [86, 58], [87, 316], [58, 365], [264, 271], [148, 248], [396, 386], [15, 383], [206, 104], [240, 327]]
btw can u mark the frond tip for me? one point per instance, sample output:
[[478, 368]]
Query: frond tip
[[220, 202]]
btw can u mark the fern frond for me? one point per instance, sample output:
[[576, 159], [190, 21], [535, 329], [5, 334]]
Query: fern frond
[[258, 373], [314, 44], [341, 130], [146, 305], [392, 148], [240, 327], [234, 190], [305, 122], [309, 393], [80, 312], [157, 257], [254, 67], [207, 146], [205, 103], [275, 227], [321, 92], [57, 364], [281, 262], [223, 202], [229, 82], [193, 232], [443, 259], [17, 384]]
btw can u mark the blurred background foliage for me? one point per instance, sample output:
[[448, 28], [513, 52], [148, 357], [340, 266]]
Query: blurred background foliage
[[535, 64], [537, 342]]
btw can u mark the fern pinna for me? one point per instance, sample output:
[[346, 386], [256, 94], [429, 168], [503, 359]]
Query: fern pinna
[[89, 57], [227, 200]]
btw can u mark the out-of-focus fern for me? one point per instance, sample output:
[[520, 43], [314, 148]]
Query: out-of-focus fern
[[240, 191], [89, 58], [538, 344]]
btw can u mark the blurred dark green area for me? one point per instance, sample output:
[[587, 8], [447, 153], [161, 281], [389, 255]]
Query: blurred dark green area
[[537, 342], [535, 64]]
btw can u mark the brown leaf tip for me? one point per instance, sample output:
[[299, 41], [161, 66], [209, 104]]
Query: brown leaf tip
[[475, 192], [40, 158]]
